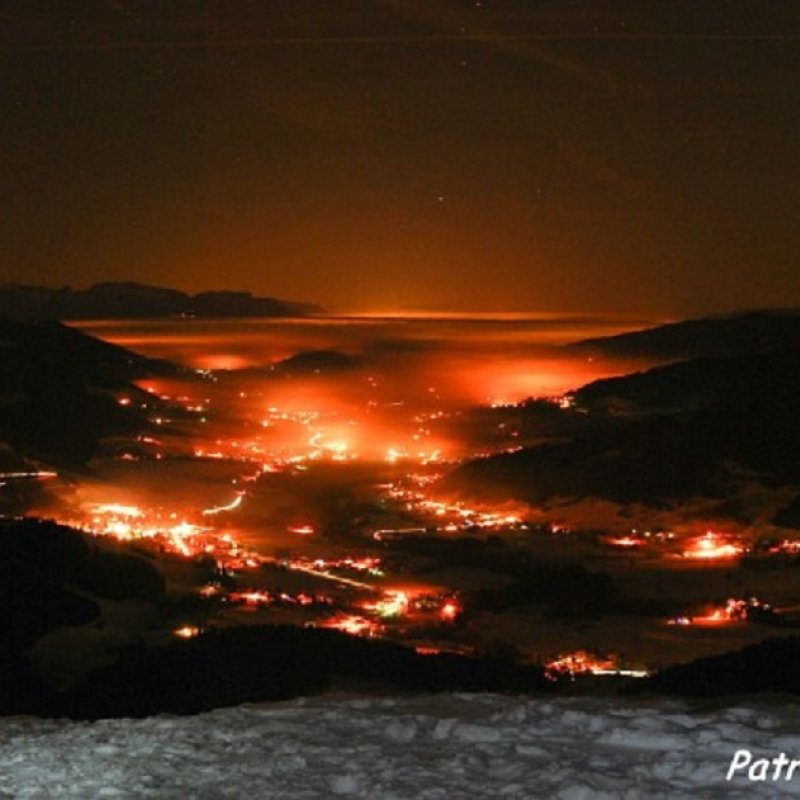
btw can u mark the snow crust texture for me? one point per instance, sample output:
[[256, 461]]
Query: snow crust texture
[[441, 746]]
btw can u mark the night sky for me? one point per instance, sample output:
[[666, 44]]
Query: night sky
[[539, 155]]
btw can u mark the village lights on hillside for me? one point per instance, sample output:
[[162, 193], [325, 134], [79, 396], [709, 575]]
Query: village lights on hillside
[[187, 632], [449, 611], [712, 546], [394, 603], [624, 542], [354, 625], [301, 530], [582, 662], [165, 531], [747, 609]]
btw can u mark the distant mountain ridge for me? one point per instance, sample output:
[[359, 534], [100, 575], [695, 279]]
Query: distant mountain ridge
[[129, 300], [736, 334]]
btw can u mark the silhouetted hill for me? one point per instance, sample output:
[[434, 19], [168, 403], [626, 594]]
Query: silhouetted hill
[[742, 381], [789, 515], [751, 332], [59, 387], [52, 577], [312, 362], [641, 462], [48, 573], [229, 666], [136, 300], [28, 348], [772, 666], [706, 428]]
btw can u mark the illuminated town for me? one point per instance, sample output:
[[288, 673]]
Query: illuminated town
[[323, 500]]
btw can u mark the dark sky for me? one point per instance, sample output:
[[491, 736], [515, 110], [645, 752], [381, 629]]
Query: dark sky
[[543, 155]]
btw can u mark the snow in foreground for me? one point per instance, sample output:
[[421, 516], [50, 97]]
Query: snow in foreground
[[444, 746]]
